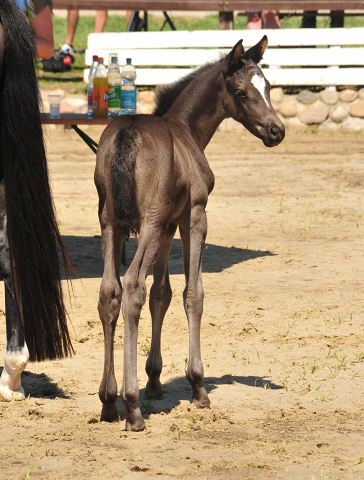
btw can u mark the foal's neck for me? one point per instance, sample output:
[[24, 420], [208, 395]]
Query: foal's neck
[[200, 105]]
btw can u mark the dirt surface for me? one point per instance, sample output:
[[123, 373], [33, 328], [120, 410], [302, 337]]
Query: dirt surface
[[282, 330]]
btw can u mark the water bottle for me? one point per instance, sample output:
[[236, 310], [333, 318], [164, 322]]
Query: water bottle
[[114, 79], [128, 89], [101, 87], [90, 86]]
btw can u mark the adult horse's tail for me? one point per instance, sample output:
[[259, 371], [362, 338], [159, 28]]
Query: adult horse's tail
[[32, 230]]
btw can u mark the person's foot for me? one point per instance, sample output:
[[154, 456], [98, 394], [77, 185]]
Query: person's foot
[[67, 48]]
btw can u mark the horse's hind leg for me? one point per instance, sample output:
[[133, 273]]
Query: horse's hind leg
[[109, 309], [134, 297], [159, 300], [193, 229], [16, 353]]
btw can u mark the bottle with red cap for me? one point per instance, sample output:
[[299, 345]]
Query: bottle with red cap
[[90, 86]]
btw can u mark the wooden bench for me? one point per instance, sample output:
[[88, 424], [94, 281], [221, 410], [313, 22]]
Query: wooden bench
[[163, 57]]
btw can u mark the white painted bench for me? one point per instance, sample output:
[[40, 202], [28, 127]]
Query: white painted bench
[[162, 57]]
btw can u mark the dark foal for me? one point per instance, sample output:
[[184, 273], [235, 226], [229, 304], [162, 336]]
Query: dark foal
[[152, 176], [36, 326]]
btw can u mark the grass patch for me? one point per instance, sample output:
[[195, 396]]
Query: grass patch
[[72, 81]]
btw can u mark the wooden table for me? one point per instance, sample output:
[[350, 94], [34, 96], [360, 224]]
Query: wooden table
[[73, 120]]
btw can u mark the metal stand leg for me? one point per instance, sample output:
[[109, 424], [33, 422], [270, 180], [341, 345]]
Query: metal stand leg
[[168, 20], [88, 140]]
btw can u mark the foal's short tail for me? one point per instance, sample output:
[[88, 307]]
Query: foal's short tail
[[123, 180], [32, 229]]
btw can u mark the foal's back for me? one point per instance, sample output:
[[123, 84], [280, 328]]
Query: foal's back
[[150, 161]]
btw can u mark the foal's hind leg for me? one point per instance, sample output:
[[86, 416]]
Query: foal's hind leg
[[134, 297], [109, 309], [159, 300], [16, 353], [193, 229]]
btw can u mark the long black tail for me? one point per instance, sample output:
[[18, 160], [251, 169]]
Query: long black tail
[[32, 229]]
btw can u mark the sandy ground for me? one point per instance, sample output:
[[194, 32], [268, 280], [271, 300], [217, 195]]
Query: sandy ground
[[282, 330]]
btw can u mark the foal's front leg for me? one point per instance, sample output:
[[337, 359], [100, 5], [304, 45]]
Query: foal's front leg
[[16, 353], [193, 229]]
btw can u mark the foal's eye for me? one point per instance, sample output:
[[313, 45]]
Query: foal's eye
[[240, 94]]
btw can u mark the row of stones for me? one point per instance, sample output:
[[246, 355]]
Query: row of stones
[[315, 108]]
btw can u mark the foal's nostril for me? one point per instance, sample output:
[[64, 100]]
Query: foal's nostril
[[274, 132]]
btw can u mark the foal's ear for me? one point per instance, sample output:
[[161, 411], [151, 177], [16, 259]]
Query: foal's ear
[[256, 53], [236, 53]]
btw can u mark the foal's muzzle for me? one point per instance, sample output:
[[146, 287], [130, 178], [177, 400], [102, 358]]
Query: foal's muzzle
[[273, 135]]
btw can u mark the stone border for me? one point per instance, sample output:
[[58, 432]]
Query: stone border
[[328, 109]]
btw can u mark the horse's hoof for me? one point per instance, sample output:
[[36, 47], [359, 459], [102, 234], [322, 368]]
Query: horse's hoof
[[137, 426], [153, 392], [7, 395], [109, 413], [134, 419], [201, 400]]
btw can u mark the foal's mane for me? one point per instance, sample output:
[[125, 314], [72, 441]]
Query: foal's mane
[[167, 94]]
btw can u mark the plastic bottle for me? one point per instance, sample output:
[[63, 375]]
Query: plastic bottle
[[90, 86], [128, 89], [114, 79], [101, 86], [110, 60]]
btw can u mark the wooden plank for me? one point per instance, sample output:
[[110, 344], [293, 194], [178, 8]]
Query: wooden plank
[[226, 38], [157, 58], [209, 5], [315, 76], [281, 76], [273, 56], [73, 119]]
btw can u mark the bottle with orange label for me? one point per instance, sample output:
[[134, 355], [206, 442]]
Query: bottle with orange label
[[101, 87]]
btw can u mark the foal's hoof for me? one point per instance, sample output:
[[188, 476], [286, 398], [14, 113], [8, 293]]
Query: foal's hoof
[[201, 399], [134, 419], [153, 390], [136, 426], [109, 413]]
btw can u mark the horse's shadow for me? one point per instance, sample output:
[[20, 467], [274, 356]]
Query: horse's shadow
[[39, 385], [179, 389], [85, 253]]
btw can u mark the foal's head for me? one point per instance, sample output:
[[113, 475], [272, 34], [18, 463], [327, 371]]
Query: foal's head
[[248, 99]]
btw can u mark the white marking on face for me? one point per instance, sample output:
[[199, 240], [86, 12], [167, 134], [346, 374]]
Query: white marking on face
[[259, 83]]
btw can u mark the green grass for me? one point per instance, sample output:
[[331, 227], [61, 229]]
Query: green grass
[[72, 81]]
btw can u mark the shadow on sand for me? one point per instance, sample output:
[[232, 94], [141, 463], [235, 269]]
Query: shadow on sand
[[39, 385], [85, 252], [179, 389]]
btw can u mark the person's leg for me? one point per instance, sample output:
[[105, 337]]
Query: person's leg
[[309, 19], [337, 19], [100, 20], [270, 19], [72, 21], [254, 20]]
